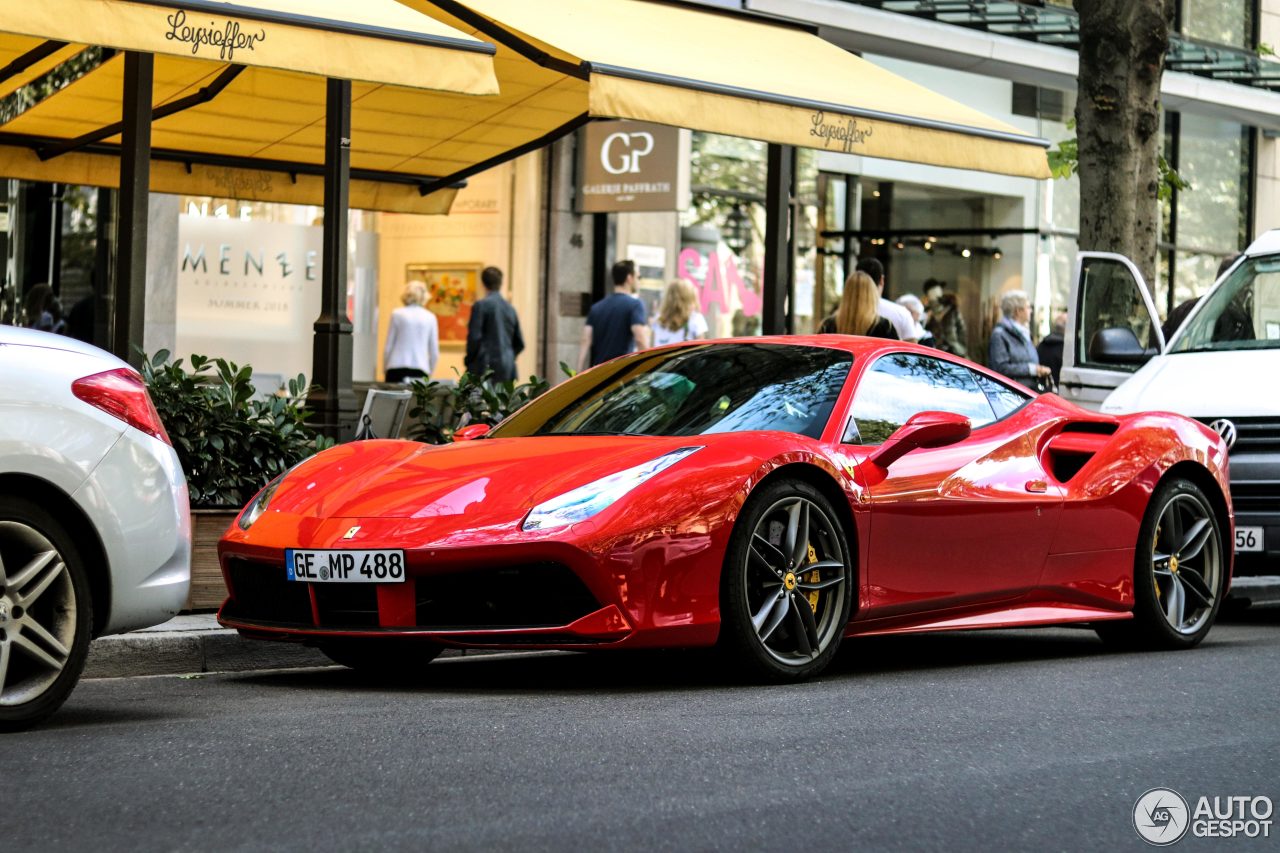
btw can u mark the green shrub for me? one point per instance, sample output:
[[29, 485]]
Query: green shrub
[[440, 409], [230, 444]]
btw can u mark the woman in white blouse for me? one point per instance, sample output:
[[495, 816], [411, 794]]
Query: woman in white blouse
[[678, 315], [413, 344]]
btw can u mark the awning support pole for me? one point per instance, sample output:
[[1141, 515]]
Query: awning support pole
[[129, 308], [332, 399], [777, 239]]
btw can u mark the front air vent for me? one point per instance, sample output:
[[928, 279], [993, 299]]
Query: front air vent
[[529, 595], [260, 592], [1071, 449]]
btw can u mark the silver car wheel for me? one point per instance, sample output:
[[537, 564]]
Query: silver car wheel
[[1186, 563], [37, 614], [794, 572]]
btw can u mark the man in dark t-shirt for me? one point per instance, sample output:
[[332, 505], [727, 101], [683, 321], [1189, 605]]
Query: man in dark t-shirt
[[616, 324]]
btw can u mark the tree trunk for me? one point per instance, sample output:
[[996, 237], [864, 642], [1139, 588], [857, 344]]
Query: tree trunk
[[1122, 49]]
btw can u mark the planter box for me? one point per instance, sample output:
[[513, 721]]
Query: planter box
[[208, 590]]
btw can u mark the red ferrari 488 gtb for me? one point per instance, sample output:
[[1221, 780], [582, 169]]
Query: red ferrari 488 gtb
[[770, 495]]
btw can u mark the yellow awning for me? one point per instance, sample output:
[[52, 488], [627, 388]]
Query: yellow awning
[[721, 72], [232, 119], [377, 41]]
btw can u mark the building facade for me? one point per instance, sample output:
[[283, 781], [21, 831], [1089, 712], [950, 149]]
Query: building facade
[[237, 279]]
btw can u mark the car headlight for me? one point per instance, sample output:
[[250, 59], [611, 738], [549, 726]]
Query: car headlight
[[258, 505], [585, 501]]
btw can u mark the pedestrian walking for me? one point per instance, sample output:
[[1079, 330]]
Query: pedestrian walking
[[413, 341], [678, 316], [1011, 351], [945, 322], [1050, 347], [900, 317], [616, 324], [493, 332], [858, 311]]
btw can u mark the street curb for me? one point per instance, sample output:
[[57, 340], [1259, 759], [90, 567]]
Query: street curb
[[182, 652], [198, 645]]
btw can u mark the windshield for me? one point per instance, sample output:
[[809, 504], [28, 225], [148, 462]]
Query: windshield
[[693, 391], [1241, 313]]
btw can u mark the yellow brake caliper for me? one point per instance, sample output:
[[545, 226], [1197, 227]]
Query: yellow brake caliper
[[813, 578], [1155, 544]]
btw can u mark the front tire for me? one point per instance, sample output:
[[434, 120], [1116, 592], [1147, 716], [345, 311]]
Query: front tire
[[46, 614], [1179, 572], [786, 589]]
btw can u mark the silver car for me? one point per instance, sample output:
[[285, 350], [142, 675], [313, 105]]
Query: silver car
[[95, 533]]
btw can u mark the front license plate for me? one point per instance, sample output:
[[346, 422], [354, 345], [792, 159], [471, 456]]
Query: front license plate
[[1250, 539], [386, 566]]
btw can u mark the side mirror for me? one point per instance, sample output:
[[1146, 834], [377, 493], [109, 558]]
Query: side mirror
[[471, 433], [1118, 345], [923, 429]]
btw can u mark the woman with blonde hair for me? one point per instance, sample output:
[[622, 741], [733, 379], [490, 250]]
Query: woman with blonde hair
[[413, 345], [678, 315], [858, 313]]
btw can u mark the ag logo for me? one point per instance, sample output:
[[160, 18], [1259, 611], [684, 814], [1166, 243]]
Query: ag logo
[[1226, 429], [1161, 816], [632, 146]]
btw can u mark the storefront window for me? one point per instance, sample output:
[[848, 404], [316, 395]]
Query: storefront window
[[1208, 222], [722, 233], [1219, 21]]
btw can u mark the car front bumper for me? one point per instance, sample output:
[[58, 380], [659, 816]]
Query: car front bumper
[[515, 594]]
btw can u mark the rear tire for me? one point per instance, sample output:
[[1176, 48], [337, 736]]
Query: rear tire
[[1179, 572], [383, 658], [786, 589], [46, 614]]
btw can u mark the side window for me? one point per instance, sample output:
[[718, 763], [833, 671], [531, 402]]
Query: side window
[[1114, 329], [900, 385], [1003, 399]]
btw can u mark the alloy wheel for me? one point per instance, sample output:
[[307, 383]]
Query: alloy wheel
[[37, 614], [795, 571], [1186, 563]]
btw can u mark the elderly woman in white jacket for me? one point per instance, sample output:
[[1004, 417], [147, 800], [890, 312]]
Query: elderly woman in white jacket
[[413, 341]]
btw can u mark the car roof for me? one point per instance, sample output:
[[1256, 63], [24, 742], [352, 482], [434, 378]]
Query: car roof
[[1266, 244], [856, 344]]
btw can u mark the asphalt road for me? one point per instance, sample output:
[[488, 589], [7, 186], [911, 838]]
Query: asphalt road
[[1029, 740]]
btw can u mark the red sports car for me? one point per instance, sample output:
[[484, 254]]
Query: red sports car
[[770, 495]]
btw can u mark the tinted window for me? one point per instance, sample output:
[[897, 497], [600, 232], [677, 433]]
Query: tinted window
[[898, 386], [1242, 313], [1003, 399], [693, 391]]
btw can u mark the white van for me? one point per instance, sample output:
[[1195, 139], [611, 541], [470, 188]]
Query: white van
[[1221, 367]]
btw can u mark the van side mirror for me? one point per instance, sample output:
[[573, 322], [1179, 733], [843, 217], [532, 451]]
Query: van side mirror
[[1118, 345], [923, 429]]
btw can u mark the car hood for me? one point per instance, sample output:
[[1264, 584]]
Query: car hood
[[490, 481], [1203, 384]]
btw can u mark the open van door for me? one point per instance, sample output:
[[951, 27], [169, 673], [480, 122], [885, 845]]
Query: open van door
[[1112, 328]]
